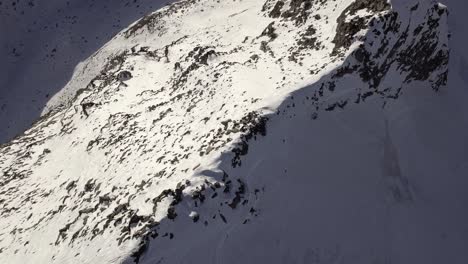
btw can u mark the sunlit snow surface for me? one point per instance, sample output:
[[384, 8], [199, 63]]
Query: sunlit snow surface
[[250, 132]]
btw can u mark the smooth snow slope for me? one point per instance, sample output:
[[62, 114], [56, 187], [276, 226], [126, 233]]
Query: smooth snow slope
[[251, 132], [41, 43]]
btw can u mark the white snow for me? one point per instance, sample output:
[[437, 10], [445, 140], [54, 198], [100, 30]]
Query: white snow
[[379, 181]]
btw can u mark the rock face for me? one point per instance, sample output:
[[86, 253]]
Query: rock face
[[348, 24], [213, 132]]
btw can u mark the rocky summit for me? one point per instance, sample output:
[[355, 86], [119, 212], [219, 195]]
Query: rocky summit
[[251, 131]]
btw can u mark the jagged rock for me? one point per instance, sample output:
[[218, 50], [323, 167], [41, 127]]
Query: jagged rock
[[195, 216], [124, 76]]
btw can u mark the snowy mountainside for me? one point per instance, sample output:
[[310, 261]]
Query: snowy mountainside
[[41, 43], [218, 131]]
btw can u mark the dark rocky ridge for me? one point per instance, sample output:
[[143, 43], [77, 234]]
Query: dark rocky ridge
[[346, 30]]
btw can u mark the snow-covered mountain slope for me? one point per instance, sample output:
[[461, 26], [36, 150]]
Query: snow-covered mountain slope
[[41, 42], [250, 132]]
